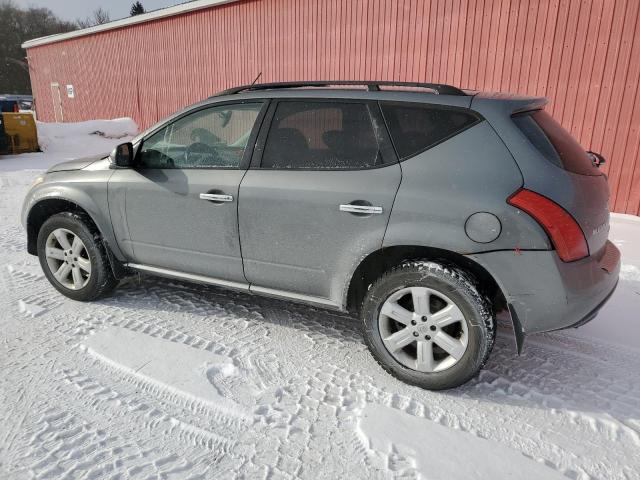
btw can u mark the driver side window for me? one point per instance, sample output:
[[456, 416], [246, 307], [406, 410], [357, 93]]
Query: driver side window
[[215, 137]]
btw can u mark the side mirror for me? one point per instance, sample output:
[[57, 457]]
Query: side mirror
[[122, 156]]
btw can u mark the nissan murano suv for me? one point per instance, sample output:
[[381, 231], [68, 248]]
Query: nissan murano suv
[[422, 208]]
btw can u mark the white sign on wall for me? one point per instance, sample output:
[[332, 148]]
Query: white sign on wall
[[71, 93]]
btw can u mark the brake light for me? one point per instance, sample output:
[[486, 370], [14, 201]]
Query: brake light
[[565, 233]]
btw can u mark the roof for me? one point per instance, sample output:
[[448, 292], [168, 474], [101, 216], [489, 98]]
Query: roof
[[125, 22]]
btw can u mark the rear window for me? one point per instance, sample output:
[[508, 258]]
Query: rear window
[[415, 127], [555, 143]]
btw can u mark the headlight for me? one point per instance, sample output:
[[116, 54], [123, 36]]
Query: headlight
[[38, 180]]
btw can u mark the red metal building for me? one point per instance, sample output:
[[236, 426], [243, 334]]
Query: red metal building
[[584, 55]]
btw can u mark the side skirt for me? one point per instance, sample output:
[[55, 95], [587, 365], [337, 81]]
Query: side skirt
[[245, 287]]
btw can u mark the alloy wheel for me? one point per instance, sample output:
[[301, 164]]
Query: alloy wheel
[[423, 329], [68, 259]]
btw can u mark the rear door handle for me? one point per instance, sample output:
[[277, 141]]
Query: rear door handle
[[362, 209], [216, 197]]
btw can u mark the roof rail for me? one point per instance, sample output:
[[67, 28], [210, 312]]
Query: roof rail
[[373, 86]]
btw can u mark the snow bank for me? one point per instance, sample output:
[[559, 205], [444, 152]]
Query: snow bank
[[58, 136], [61, 142]]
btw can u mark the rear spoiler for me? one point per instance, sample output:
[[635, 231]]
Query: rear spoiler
[[512, 102]]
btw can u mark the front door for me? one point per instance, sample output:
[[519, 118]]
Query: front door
[[180, 201], [319, 200]]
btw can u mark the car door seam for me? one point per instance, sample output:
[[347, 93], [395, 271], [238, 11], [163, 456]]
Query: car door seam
[[244, 274], [384, 235]]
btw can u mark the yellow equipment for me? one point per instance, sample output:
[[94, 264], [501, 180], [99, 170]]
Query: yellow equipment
[[20, 132]]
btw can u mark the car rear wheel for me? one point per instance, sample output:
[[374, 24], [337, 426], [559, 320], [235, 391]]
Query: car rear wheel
[[427, 325], [73, 257]]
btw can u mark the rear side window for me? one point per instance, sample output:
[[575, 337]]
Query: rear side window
[[415, 127], [555, 143], [321, 135]]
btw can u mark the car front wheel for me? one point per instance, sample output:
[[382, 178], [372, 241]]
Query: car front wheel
[[73, 257], [427, 325]]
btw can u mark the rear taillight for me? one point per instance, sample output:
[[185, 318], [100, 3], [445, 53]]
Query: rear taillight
[[565, 233]]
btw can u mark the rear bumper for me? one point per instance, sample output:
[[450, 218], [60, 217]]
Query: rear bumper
[[593, 313], [547, 294]]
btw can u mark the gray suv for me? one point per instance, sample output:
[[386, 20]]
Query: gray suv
[[422, 208]]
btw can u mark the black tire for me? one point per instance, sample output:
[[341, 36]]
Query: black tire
[[101, 281], [459, 288]]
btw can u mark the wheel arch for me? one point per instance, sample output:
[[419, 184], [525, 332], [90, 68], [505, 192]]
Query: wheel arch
[[380, 261], [44, 208]]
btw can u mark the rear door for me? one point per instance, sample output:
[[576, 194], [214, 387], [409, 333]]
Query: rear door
[[317, 198]]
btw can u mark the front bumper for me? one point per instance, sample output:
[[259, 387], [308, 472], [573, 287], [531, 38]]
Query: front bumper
[[544, 293]]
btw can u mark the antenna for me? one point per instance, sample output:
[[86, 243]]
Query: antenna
[[256, 79]]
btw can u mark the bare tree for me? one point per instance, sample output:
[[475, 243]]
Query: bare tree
[[16, 27], [101, 16], [98, 17]]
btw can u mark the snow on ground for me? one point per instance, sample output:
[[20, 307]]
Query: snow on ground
[[172, 380], [623, 311], [60, 142]]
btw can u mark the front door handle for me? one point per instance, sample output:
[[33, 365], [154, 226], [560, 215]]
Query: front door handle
[[216, 197], [361, 209]]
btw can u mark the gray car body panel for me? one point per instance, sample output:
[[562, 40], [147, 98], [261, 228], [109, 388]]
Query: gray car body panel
[[439, 189], [443, 186], [86, 188], [294, 236], [77, 164], [583, 196], [546, 293], [167, 225]]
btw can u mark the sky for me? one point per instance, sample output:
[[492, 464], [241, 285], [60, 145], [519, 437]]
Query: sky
[[74, 9]]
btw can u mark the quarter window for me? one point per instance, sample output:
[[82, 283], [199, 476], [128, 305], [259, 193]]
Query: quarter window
[[215, 137], [321, 135], [416, 127]]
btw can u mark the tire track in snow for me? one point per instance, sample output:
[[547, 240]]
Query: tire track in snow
[[563, 403], [161, 410], [64, 445]]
